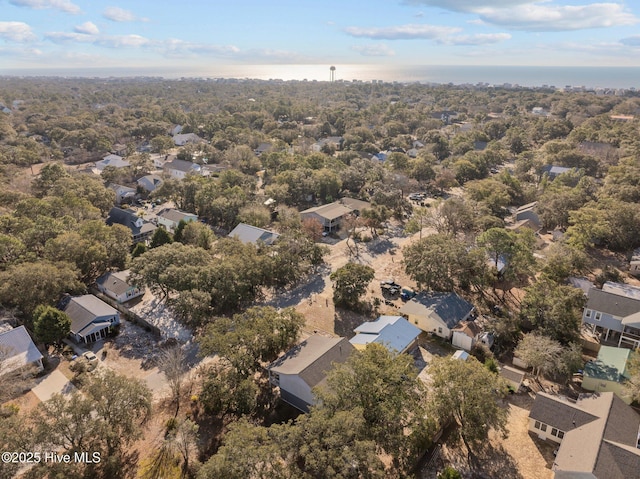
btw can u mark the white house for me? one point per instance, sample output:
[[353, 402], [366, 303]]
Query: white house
[[149, 182], [111, 160], [91, 318], [169, 218], [394, 332], [179, 169], [18, 351], [123, 192], [305, 366], [252, 234], [115, 286], [436, 313], [182, 139]]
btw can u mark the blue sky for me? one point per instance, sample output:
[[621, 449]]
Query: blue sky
[[194, 35]]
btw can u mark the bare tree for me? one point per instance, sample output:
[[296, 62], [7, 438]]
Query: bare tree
[[173, 364]]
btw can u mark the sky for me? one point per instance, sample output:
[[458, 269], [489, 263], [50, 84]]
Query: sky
[[192, 36]]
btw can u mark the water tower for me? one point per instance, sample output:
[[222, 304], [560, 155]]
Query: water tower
[[332, 73]]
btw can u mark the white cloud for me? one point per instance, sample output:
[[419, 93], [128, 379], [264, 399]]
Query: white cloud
[[378, 50], [62, 5], [19, 51], [119, 41], [402, 32], [89, 28], [549, 18], [66, 37], [478, 39], [118, 14], [467, 5], [16, 32]]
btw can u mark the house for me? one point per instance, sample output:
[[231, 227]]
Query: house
[[252, 234], [115, 286], [169, 218], [613, 314], [394, 332], [538, 110], [112, 160], [334, 142], [182, 139], [465, 335], [177, 129], [123, 193], [179, 169], [597, 434], [141, 230], [527, 213], [634, 267], [18, 351], [119, 149], [305, 366], [554, 171], [436, 313], [608, 372], [91, 318], [263, 148], [514, 377], [150, 183], [331, 215]]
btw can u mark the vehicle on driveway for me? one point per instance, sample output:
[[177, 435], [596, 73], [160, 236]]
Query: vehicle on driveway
[[406, 294]]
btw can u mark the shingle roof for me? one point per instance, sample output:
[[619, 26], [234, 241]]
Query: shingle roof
[[611, 303], [603, 447], [559, 414], [470, 328], [18, 349], [312, 358], [338, 208], [252, 234], [174, 215], [448, 307], [129, 219], [113, 282], [182, 165], [83, 310], [394, 332]]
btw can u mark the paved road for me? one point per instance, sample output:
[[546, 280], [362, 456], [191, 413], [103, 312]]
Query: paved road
[[56, 382]]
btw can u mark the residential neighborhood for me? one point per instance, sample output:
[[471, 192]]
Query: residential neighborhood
[[247, 277]]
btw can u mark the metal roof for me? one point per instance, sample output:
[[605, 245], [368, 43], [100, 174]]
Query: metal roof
[[611, 364], [252, 234], [393, 332]]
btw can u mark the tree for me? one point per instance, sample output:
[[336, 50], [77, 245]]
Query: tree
[[632, 385], [547, 356], [27, 285], [384, 390], [514, 249], [553, 310], [250, 339], [198, 234], [449, 473], [350, 283], [563, 260], [160, 237], [50, 325], [173, 363], [468, 393], [440, 262]]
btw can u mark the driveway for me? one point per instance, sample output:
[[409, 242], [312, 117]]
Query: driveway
[[56, 382]]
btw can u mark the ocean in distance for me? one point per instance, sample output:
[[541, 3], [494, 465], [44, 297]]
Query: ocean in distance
[[527, 76]]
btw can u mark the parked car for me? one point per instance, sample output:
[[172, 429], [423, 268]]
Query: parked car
[[91, 359], [407, 293]]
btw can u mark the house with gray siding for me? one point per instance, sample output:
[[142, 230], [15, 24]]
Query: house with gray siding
[[305, 367], [613, 315], [91, 318]]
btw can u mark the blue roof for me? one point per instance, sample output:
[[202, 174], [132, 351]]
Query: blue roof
[[394, 332]]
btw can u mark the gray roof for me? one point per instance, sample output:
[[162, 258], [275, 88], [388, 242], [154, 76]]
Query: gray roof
[[128, 218], [312, 358], [18, 349], [113, 282], [603, 447], [175, 215], [181, 165], [252, 234], [339, 208], [84, 310], [559, 414], [149, 182], [611, 303], [449, 307]]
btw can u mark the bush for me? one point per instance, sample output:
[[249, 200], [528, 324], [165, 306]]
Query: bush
[[449, 473]]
